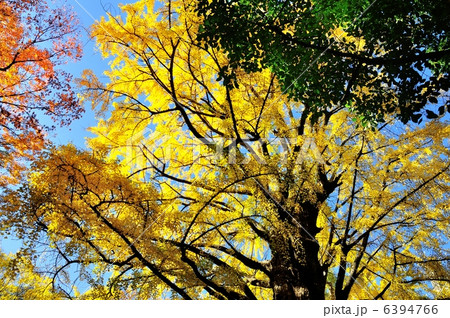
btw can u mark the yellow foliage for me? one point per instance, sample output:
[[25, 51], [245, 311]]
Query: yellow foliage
[[20, 280]]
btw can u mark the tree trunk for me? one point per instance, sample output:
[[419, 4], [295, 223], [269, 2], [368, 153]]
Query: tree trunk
[[296, 271], [295, 266]]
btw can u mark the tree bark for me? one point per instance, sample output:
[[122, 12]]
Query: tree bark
[[296, 272]]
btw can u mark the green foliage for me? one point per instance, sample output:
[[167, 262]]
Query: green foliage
[[395, 49]]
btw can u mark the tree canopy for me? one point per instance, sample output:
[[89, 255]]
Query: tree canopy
[[34, 40], [195, 189], [373, 57], [19, 280]]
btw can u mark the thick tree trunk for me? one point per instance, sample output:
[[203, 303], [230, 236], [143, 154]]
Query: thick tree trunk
[[295, 266], [294, 278], [296, 271]]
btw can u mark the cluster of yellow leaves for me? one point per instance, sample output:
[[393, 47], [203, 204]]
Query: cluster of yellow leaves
[[156, 62], [339, 35], [19, 280]]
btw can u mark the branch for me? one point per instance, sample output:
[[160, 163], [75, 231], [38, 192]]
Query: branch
[[400, 201], [135, 251], [242, 258], [377, 61], [418, 280], [229, 294]]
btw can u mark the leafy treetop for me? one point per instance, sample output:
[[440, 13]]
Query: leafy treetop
[[358, 54]]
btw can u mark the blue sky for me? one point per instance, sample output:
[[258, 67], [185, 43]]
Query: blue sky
[[88, 11]]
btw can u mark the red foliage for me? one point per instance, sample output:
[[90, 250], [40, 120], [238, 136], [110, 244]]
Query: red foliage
[[34, 40]]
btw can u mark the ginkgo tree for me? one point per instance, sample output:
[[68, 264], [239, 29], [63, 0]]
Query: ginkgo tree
[[196, 190], [20, 280]]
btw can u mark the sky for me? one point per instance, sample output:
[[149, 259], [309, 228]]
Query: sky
[[88, 11]]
